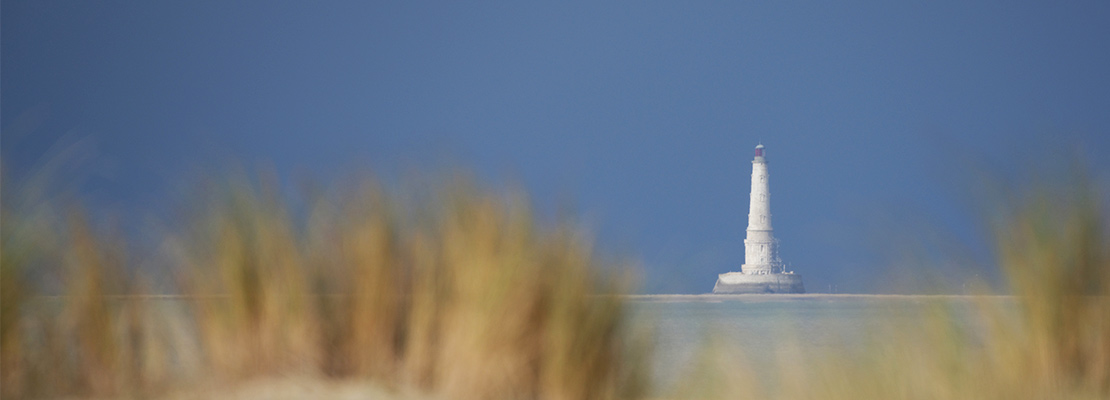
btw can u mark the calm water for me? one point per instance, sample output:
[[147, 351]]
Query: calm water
[[760, 325]]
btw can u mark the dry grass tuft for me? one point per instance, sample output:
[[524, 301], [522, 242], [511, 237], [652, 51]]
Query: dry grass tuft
[[242, 265], [1050, 340], [1055, 252], [461, 294], [88, 340], [475, 300], [464, 294]]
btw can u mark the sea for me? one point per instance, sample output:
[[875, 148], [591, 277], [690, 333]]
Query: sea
[[760, 330]]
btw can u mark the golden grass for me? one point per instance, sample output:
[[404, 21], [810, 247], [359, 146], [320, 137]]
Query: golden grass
[[459, 293], [83, 341], [1051, 339]]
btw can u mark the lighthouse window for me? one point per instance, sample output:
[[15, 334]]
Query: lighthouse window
[[763, 178], [763, 197], [762, 218]]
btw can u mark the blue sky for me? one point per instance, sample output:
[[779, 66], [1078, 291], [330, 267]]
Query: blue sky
[[642, 115]]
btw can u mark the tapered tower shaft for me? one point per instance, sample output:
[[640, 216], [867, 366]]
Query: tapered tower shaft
[[760, 247]]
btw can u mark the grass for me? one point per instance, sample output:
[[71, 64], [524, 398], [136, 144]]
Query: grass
[[1051, 339], [457, 292]]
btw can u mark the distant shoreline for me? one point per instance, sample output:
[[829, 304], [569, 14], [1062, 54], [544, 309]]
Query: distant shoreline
[[804, 296]]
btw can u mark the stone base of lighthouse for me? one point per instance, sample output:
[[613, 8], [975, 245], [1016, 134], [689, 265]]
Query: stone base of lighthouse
[[741, 283]]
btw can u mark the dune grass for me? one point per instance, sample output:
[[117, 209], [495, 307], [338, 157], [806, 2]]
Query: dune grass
[[1049, 338], [461, 293], [65, 330], [458, 294]]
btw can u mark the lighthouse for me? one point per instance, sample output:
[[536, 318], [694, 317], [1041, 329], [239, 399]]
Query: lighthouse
[[760, 247], [762, 271]]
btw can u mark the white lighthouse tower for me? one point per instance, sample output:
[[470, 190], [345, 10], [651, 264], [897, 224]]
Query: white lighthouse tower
[[761, 254], [763, 271]]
